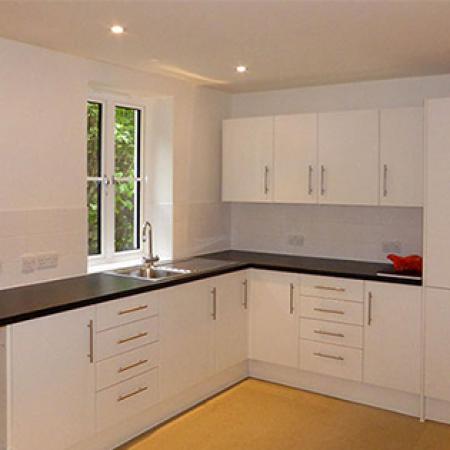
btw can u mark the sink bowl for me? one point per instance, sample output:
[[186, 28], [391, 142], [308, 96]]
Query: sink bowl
[[152, 272]]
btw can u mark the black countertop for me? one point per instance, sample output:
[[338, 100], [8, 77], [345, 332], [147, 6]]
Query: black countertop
[[37, 300]]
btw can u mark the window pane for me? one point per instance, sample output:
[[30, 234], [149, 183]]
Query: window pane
[[127, 216], [94, 217], [127, 142], [94, 144]]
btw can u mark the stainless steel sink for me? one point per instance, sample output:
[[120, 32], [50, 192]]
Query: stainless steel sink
[[152, 272]]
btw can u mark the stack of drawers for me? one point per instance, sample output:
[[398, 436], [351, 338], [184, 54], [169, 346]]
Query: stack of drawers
[[126, 357], [331, 326]]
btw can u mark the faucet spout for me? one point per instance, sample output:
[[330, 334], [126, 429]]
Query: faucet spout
[[147, 236]]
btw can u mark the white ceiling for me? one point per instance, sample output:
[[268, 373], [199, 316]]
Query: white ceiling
[[284, 43]]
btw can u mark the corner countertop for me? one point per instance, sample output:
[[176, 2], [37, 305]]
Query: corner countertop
[[38, 300]]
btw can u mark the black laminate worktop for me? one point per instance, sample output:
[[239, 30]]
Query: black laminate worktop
[[37, 300]]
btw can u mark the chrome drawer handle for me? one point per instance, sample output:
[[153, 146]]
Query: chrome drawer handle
[[132, 394], [91, 341], [324, 355], [329, 311], [132, 338], [310, 172], [131, 310], [329, 333], [245, 302], [330, 288], [132, 366]]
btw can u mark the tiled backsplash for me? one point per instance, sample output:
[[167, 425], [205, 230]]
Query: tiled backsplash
[[60, 231], [354, 232]]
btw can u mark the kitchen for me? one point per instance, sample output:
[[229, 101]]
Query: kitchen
[[264, 200]]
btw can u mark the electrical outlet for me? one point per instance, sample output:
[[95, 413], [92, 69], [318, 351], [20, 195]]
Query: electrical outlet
[[392, 247], [296, 240], [28, 263], [47, 260]]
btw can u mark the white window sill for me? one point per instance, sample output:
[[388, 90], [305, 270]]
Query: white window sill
[[95, 268]]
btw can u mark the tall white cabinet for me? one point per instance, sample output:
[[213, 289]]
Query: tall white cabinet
[[247, 173], [348, 157], [52, 381]]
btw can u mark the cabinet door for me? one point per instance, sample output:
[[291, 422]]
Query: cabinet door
[[274, 317], [437, 202], [231, 324], [295, 158], [392, 336], [186, 337], [348, 157], [401, 157], [437, 338], [247, 159], [53, 381]]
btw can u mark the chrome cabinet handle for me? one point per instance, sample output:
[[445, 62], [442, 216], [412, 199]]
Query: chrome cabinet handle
[[291, 298], [385, 173], [91, 341], [329, 288], [245, 302], [214, 297], [329, 333], [131, 310], [310, 172], [132, 394], [369, 310], [322, 180], [325, 355], [132, 338], [329, 311], [266, 179], [132, 366]]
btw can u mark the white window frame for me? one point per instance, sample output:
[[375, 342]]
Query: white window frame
[[108, 254]]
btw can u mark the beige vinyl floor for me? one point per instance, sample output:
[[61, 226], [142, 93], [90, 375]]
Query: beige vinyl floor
[[256, 415]]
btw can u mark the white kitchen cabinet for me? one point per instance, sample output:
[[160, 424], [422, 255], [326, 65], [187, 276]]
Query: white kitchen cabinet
[[274, 317], [392, 336], [437, 339], [295, 158], [401, 157], [437, 189], [186, 336], [348, 157], [247, 159], [231, 319], [52, 381]]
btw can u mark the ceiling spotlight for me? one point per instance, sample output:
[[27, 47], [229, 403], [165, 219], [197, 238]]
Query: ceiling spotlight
[[117, 29], [241, 69]]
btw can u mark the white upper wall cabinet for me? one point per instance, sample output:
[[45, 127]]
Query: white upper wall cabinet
[[437, 189], [401, 157], [295, 158], [348, 157], [247, 160]]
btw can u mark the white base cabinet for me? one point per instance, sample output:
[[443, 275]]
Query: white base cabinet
[[392, 336], [274, 317]]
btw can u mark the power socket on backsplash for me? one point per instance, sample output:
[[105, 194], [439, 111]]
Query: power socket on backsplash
[[28, 263], [392, 247], [296, 240]]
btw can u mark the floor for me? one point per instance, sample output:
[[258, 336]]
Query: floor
[[256, 415]]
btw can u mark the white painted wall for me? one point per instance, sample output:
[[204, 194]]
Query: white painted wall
[[334, 231], [43, 161]]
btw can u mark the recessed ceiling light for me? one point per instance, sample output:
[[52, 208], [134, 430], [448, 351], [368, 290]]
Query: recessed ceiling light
[[117, 29], [241, 69]]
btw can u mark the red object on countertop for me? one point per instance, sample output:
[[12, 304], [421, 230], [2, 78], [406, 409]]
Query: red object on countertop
[[402, 264]]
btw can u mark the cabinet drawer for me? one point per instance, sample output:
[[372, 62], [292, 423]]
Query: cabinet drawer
[[333, 360], [333, 310], [127, 365], [127, 399], [126, 310], [332, 333], [125, 338], [329, 287]]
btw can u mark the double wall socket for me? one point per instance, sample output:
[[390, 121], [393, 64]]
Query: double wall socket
[[392, 247], [39, 261]]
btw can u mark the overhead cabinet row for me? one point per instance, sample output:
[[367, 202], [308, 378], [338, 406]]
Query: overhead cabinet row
[[365, 157]]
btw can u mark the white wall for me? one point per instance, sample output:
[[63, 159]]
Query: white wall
[[43, 160], [334, 231]]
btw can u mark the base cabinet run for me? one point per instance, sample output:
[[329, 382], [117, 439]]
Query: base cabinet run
[[75, 376]]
